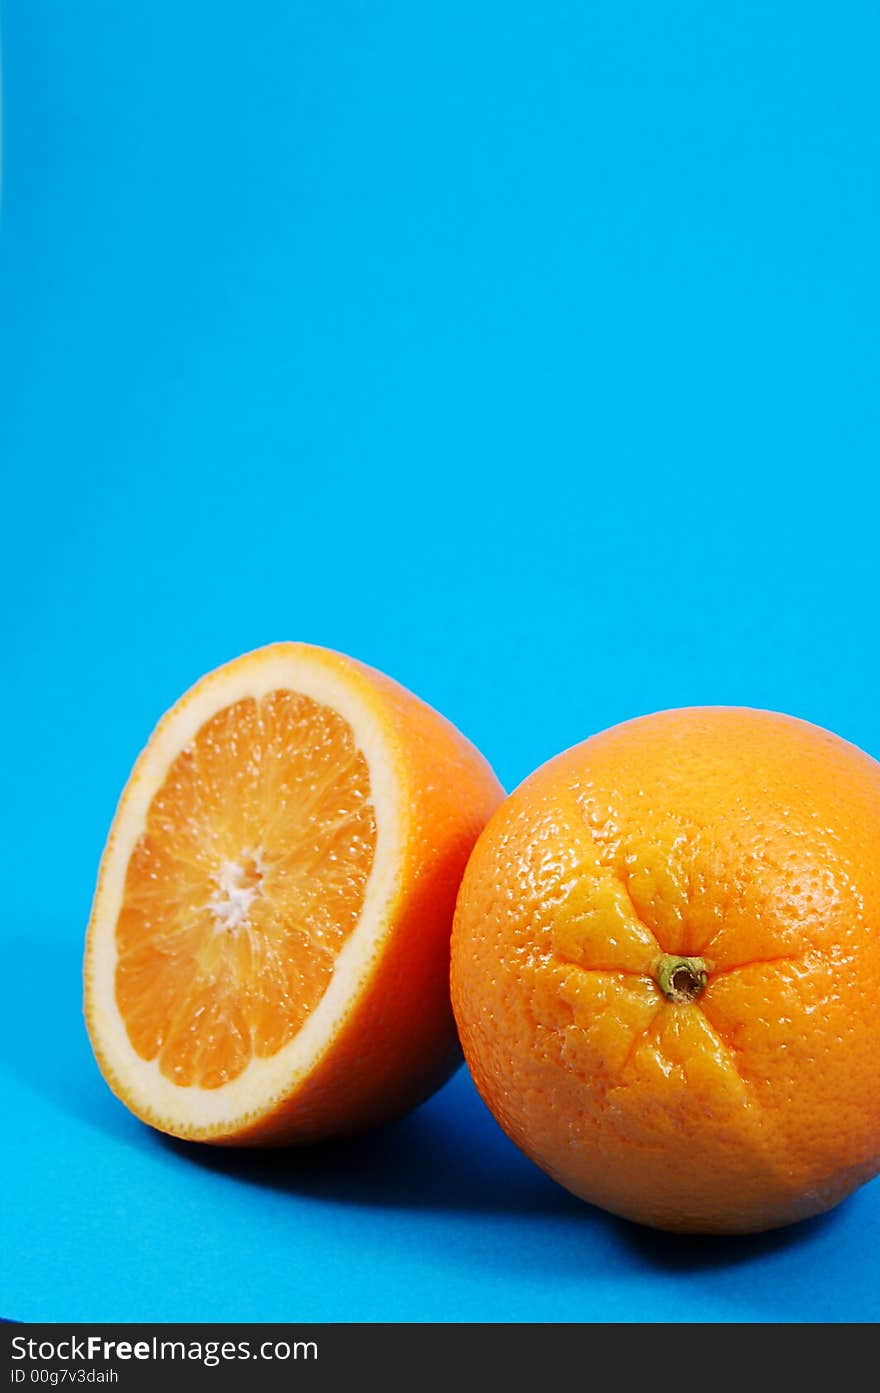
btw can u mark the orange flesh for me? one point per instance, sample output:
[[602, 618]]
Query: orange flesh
[[247, 881]]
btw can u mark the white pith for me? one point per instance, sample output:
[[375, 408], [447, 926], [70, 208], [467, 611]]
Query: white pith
[[231, 900], [263, 1081]]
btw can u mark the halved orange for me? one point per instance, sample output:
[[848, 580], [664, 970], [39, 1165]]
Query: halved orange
[[268, 954]]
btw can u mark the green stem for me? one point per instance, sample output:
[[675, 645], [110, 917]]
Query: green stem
[[681, 979]]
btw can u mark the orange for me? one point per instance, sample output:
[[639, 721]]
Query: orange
[[268, 953], [666, 969]]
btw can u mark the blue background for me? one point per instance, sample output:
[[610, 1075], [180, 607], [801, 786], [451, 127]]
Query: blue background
[[526, 351]]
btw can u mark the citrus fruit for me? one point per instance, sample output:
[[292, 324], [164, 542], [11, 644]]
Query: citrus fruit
[[666, 969], [268, 954]]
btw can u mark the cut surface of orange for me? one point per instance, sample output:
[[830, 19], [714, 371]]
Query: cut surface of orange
[[267, 958]]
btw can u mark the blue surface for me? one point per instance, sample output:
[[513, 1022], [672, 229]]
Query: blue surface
[[528, 352]]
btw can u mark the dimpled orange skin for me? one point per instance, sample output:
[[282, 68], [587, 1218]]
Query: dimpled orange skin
[[747, 840]]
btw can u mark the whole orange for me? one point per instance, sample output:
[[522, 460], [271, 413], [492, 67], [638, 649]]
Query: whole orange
[[666, 969]]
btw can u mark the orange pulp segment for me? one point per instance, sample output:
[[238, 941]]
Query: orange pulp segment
[[248, 878]]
